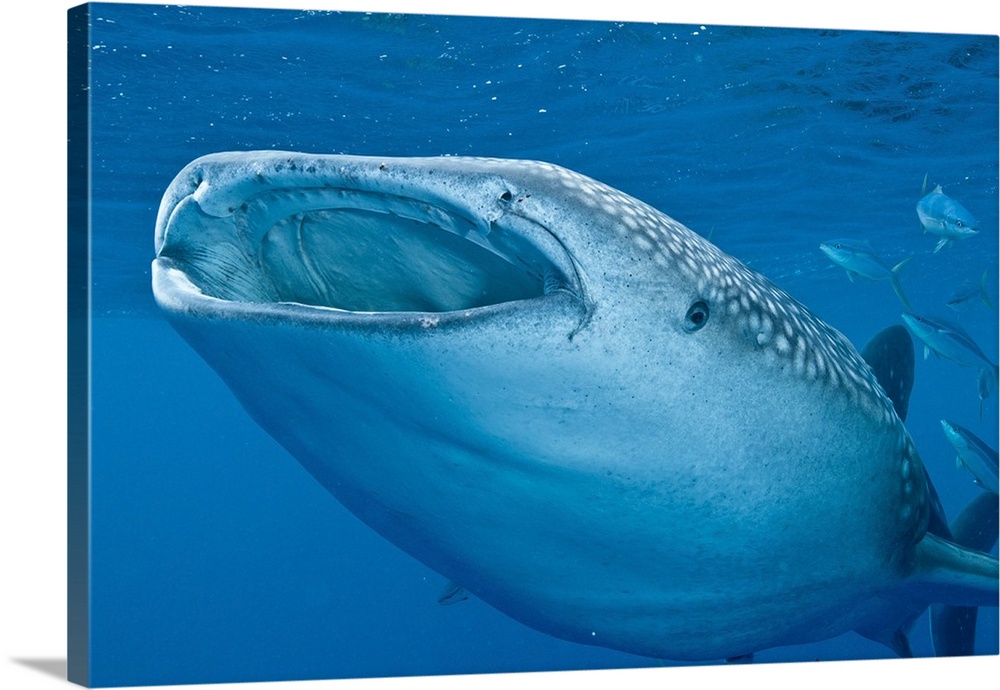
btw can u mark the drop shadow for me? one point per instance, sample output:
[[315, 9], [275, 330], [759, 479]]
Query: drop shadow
[[50, 667]]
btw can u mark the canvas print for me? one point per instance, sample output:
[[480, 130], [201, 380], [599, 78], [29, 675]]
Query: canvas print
[[424, 344]]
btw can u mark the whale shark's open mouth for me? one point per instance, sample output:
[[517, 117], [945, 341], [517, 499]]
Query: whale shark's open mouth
[[360, 251], [367, 261]]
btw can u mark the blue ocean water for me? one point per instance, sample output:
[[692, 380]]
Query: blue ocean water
[[215, 556]]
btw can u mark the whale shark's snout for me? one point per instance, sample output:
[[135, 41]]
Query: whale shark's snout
[[561, 399]]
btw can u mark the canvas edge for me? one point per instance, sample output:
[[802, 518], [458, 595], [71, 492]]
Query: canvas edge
[[78, 345]]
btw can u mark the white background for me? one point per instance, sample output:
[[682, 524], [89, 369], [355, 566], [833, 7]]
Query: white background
[[33, 335]]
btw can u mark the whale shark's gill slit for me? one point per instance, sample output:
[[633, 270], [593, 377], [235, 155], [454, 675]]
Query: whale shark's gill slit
[[374, 261]]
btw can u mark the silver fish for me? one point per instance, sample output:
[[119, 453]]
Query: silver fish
[[941, 215], [858, 259], [951, 341], [968, 292], [974, 454]]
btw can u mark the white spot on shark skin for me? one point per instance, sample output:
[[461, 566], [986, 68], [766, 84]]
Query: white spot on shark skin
[[821, 363], [835, 377], [452, 461], [643, 243]]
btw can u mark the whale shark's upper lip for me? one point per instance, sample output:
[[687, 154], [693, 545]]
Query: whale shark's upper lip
[[354, 238]]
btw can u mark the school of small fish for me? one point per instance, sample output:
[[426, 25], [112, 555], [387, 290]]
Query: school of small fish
[[949, 221]]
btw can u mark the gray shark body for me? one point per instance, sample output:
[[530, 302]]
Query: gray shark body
[[560, 399]]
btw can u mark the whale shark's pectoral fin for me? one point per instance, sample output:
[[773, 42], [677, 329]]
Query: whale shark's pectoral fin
[[741, 659], [953, 628], [452, 594], [945, 573], [890, 356], [976, 526]]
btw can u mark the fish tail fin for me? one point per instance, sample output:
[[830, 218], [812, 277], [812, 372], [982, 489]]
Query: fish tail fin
[[982, 290], [986, 381], [896, 284], [989, 374]]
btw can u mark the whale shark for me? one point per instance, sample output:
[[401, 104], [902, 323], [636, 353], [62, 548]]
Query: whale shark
[[562, 400]]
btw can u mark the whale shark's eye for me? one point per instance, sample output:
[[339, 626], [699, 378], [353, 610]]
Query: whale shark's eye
[[697, 316], [506, 196]]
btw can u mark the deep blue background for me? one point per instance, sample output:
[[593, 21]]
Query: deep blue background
[[215, 556]]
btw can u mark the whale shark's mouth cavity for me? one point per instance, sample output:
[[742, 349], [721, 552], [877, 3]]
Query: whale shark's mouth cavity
[[362, 252], [365, 261]]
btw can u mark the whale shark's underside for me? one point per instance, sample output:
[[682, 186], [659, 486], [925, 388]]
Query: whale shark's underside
[[563, 400]]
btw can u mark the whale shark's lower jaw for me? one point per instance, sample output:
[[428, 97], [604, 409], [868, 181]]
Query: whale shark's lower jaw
[[361, 251]]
